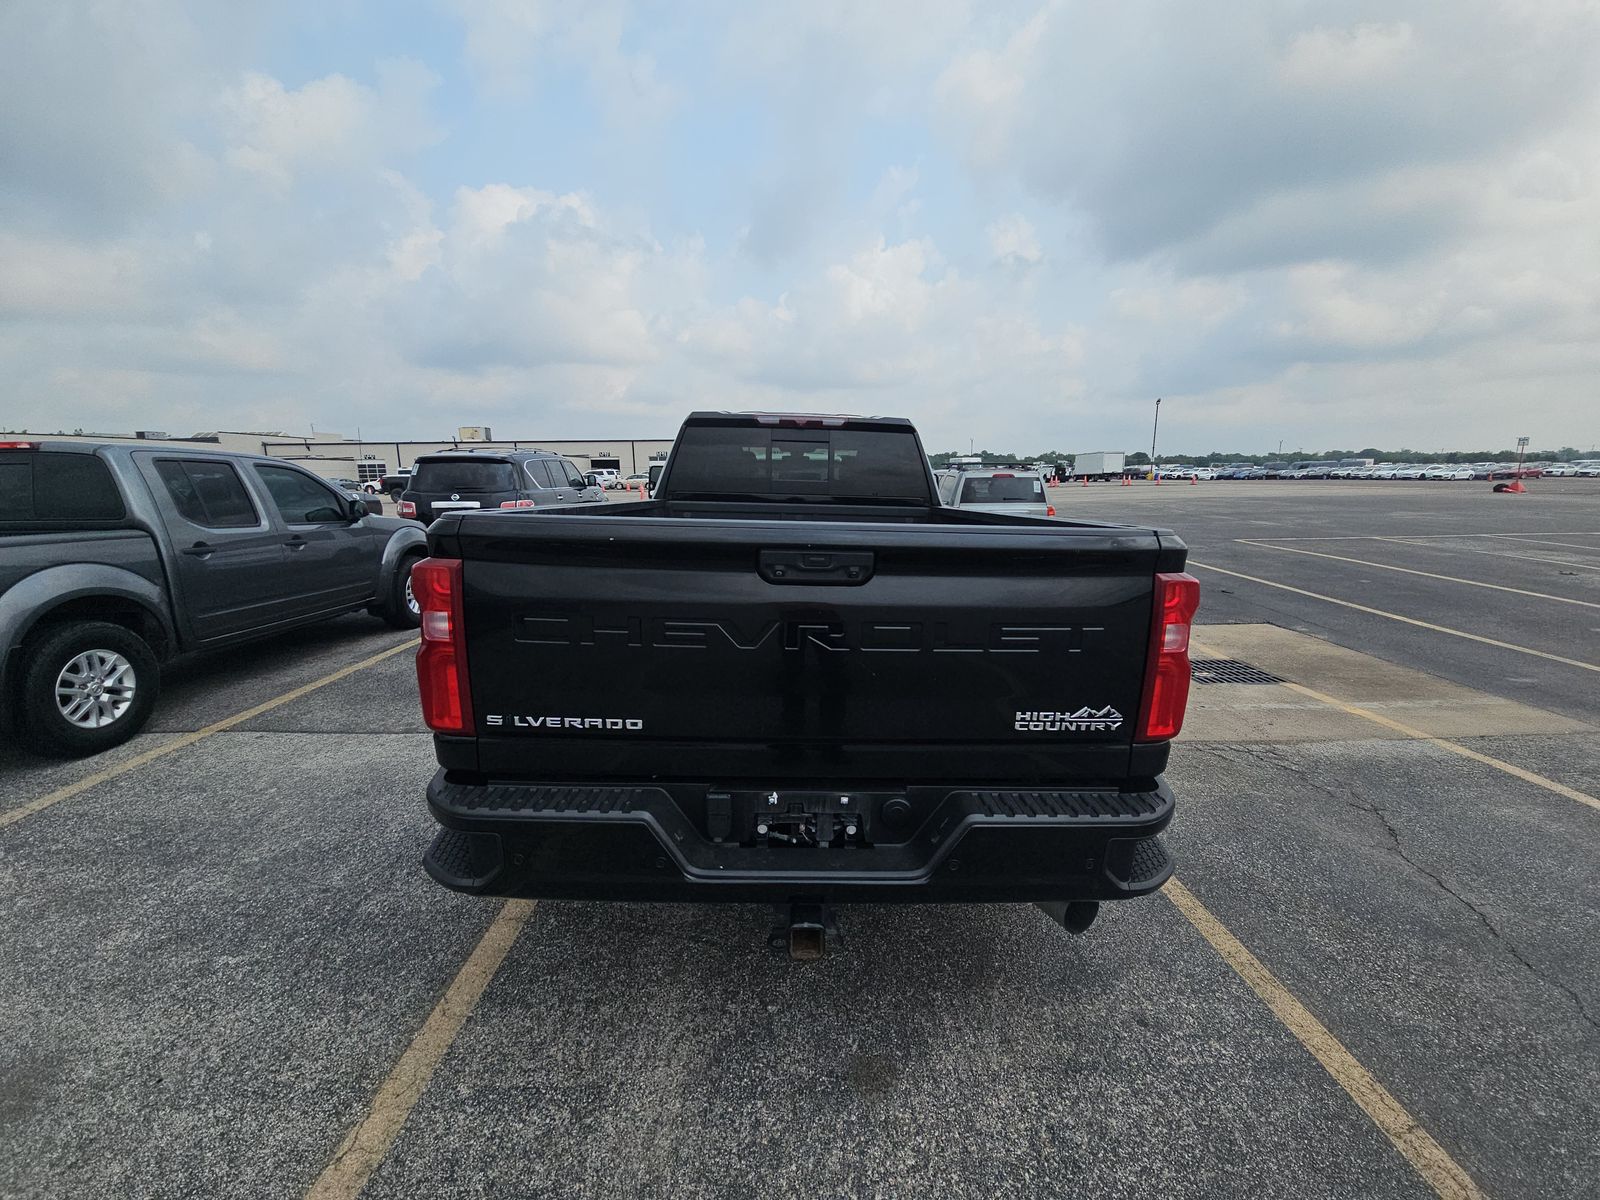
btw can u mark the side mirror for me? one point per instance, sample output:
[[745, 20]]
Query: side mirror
[[357, 510]]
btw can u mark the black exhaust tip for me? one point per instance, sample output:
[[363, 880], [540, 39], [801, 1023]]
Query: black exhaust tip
[[1075, 916]]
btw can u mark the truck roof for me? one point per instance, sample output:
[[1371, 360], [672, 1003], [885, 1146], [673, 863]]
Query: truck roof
[[826, 420]]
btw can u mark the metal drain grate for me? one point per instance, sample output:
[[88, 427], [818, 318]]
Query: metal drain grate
[[1228, 670]]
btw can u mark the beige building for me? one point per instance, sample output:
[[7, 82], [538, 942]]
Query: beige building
[[335, 457]]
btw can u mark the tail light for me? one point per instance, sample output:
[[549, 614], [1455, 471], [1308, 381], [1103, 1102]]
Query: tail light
[[408, 508], [516, 504], [19, 445], [442, 656], [1166, 678], [1049, 510]]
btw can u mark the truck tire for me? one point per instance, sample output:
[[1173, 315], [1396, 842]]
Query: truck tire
[[400, 608], [396, 493], [87, 686]]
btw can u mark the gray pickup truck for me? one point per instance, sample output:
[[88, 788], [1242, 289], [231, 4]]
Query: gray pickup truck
[[115, 559]]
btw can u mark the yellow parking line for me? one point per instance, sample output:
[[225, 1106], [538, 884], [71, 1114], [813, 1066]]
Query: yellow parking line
[[1426, 574], [13, 815], [1430, 1160], [1488, 760], [1378, 612], [368, 1142]]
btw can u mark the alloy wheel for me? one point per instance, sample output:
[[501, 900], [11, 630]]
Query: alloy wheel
[[95, 688]]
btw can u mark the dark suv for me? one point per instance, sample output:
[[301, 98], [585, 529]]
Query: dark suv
[[465, 479]]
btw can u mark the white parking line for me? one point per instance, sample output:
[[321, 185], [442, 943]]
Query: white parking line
[[1520, 537], [1378, 612], [1551, 562], [1423, 537], [1426, 574]]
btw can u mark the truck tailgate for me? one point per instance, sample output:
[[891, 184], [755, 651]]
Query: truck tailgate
[[907, 652]]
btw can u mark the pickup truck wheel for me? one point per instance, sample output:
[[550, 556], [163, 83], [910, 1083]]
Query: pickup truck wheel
[[87, 687], [396, 493], [402, 610]]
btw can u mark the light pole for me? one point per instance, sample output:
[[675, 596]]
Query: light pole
[[1153, 428], [1522, 448]]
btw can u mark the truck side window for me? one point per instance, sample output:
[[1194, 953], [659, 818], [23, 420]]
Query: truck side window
[[543, 475], [301, 500], [16, 489], [208, 493], [57, 487], [574, 476]]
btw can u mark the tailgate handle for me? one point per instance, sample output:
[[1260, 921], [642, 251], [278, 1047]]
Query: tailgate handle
[[846, 567]]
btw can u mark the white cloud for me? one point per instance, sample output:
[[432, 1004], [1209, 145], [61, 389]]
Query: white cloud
[[982, 90], [511, 42], [1014, 242], [1324, 57], [1341, 224], [328, 124]]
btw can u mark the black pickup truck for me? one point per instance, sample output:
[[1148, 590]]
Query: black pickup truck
[[114, 559], [793, 677]]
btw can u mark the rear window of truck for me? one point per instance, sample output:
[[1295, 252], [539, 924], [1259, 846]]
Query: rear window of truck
[[51, 487], [1002, 489], [852, 464], [451, 476]]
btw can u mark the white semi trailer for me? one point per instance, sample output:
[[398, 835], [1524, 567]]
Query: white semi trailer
[[1098, 464]]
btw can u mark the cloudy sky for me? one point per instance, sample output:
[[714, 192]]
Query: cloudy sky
[[1339, 224]]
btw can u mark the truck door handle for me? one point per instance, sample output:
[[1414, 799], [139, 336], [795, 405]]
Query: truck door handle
[[848, 568], [296, 543], [200, 550]]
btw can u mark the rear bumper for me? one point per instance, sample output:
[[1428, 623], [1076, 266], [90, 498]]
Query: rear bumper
[[640, 843]]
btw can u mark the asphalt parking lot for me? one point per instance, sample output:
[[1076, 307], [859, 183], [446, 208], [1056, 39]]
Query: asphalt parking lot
[[224, 973]]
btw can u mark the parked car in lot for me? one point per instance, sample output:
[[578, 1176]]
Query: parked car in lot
[[465, 479], [844, 691], [359, 487], [394, 484], [115, 559], [1008, 489], [606, 477], [1560, 470], [1446, 471], [634, 482], [364, 492]]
